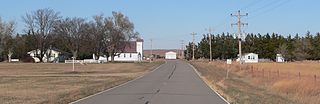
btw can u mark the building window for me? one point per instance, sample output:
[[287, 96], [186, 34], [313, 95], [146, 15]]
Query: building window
[[248, 57], [119, 56], [130, 55], [124, 55]]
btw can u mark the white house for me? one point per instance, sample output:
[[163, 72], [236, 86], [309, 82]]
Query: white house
[[249, 58], [52, 53], [171, 55], [133, 51], [279, 58]]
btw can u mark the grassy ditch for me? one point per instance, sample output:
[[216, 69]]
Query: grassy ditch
[[239, 88]]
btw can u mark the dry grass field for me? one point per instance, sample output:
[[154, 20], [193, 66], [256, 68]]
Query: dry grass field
[[28, 83], [267, 83]]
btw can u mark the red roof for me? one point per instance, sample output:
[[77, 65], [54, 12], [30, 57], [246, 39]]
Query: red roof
[[130, 47]]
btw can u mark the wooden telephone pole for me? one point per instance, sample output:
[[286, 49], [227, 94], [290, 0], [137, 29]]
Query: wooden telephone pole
[[239, 24], [182, 50], [210, 44], [193, 34], [151, 54]]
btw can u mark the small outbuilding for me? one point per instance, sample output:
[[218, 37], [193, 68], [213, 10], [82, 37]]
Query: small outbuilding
[[280, 58], [171, 55], [249, 58]]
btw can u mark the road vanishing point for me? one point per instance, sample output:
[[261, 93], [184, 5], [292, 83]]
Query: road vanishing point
[[175, 82]]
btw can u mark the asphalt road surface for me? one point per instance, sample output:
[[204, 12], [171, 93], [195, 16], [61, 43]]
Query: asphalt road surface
[[175, 82]]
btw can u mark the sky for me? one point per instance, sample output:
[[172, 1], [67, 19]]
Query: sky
[[168, 22]]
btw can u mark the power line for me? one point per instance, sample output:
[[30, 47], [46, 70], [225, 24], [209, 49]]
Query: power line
[[272, 3], [223, 22], [280, 4], [251, 4]]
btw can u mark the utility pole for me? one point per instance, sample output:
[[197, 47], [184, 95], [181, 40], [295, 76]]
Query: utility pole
[[151, 55], [193, 34], [239, 24], [182, 50], [210, 43]]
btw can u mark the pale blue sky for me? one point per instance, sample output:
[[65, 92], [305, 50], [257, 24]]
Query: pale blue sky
[[169, 21]]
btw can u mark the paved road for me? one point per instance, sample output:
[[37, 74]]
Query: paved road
[[175, 82]]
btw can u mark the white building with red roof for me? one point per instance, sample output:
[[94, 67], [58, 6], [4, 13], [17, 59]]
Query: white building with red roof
[[133, 51]]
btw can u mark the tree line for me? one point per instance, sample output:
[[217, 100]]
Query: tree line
[[225, 46], [46, 28]]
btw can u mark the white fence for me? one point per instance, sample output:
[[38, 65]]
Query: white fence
[[14, 60], [91, 61], [75, 61], [87, 61]]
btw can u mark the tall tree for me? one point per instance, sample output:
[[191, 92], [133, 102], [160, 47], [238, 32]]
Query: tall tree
[[120, 30], [71, 31], [97, 33], [40, 24], [316, 47], [302, 46], [204, 47], [20, 47], [6, 44], [283, 50]]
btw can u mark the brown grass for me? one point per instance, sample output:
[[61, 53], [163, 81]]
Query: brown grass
[[304, 67], [25, 83], [243, 88], [281, 79]]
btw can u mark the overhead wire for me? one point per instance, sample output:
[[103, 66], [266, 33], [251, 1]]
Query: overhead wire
[[274, 7], [265, 9], [274, 4], [251, 4], [266, 5], [226, 20]]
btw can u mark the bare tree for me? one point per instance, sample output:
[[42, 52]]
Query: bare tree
[[98, 35], [119, 31], [283, 50], [6, 32], [71, 31], [110, 35], [40, 23], [302, 46]]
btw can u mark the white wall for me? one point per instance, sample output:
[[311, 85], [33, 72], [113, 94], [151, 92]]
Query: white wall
[[140, 48], [250, 58], [280, 58], [134, 56], [126, 57], [171, 55]]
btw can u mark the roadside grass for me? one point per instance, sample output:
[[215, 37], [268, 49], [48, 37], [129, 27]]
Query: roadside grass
[[238, 88], [297, 81], [26, 83]]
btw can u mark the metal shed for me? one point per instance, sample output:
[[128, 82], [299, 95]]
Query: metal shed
[[171, 55]]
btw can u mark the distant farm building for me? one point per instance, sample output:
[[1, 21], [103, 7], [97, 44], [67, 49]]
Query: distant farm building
[[249, 58], [280, 58], [161, 53], [171, 55], [133, 51]]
